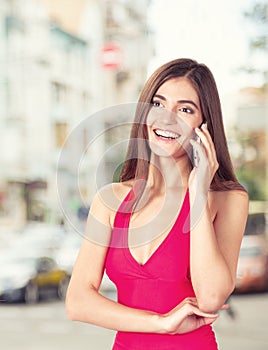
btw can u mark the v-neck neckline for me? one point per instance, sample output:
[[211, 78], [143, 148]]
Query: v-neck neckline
[[162, 243]]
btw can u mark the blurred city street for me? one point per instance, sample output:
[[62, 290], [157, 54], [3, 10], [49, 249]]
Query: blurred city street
[[249, 330], [45, 326], [71, 73]]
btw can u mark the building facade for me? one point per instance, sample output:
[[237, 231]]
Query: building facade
[[53, 80]]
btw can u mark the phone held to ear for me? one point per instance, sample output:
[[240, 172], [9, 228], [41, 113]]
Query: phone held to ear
[[195, 153]]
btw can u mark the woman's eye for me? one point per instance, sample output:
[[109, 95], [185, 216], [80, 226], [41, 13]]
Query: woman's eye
[[186, 110], [157, 104]]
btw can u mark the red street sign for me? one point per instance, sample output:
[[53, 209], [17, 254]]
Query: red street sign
[[111, 56]]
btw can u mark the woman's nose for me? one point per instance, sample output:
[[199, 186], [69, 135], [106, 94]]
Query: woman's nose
[[169, 117]]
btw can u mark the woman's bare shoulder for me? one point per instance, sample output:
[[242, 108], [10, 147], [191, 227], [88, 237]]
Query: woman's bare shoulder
[[231, 199], [118, 189], [110, 196], [223, 195]]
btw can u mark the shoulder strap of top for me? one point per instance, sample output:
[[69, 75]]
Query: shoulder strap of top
[[122, 216], [123, 210], [185, 214], [121, 222]]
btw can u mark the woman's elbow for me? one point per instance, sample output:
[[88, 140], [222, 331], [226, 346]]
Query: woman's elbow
[[74, 302], [210, 304], [214, 300], [78, 302], [213, 303], [71, 307]]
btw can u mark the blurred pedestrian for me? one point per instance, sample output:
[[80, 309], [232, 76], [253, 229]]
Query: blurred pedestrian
[[169, 233], [231, 312]]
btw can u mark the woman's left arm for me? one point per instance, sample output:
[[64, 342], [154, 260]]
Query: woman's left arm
[[215, 249], [214, 244]]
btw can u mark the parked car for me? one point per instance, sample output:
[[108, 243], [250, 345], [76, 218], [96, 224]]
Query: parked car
[[68, 251], [30, 279], [67, 254], [256, 224], [40, 237], [252, 270]]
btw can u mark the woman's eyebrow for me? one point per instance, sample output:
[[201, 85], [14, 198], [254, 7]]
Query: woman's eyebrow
[[160, 97], [179, 101], [190, 102]]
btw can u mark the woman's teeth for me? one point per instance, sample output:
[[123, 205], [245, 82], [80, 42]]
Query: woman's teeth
[[166, 134]]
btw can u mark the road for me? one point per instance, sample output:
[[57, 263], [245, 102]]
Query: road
[[45, 327], [249, 331]]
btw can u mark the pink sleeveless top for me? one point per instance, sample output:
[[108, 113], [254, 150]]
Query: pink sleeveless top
[[159, 285]]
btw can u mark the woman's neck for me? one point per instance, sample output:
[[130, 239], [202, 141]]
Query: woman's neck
[[168, 173]]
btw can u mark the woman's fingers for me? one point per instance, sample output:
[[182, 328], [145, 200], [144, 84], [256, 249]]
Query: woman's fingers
[[186, 317], [206, 140], [207, 146], [210, 142], [202, 321], [193, 302], [224, 307], [195, 310], [202, 318], [190, 299]]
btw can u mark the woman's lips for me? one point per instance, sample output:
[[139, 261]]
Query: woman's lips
[[166, 135]]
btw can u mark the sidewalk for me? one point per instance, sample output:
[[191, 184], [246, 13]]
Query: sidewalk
[[249, 331]]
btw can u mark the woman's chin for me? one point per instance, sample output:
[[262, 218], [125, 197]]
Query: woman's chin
[[166, 152]]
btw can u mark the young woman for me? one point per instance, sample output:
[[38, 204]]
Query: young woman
[[171, 230]]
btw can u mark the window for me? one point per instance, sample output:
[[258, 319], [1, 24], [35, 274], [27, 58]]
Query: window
[[61, 130]]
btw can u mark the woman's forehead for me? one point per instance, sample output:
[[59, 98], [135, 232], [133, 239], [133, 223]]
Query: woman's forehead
[[178, 88]]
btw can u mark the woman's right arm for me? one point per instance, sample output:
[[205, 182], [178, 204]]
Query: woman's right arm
[[84, 302]]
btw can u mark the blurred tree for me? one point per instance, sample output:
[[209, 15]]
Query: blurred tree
[[258, 15], [251, 172], [247, 176], [116, 175], [249, 163]]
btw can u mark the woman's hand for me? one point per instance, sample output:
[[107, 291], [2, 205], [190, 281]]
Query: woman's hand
[[202, 174], [187, 317]]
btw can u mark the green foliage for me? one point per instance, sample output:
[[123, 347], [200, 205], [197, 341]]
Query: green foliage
[[253, 180], [259, 42], [250, 162], [116, 175], [258, 13]]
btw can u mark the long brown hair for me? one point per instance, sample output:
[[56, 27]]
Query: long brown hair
[[137, 161]]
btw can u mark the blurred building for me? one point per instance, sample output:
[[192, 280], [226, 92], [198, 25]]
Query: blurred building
[[121, 49], [61, 61]]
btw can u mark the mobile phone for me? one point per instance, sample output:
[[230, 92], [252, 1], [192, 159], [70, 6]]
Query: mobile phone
[[195, 157]]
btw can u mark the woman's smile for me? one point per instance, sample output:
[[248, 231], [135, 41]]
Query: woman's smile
[[166, 135]]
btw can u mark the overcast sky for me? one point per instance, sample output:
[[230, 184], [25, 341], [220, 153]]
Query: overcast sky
[[212, 31]]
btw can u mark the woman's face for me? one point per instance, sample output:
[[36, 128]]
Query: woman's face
[[175, 114]]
